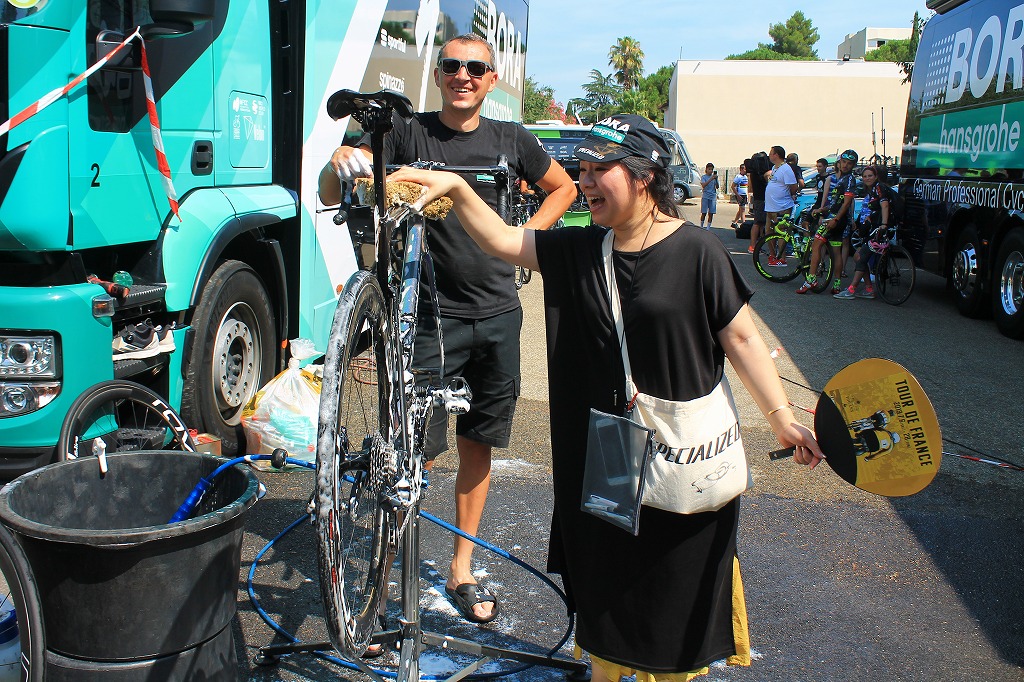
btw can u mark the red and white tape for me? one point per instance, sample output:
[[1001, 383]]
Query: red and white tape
[[154, 123]]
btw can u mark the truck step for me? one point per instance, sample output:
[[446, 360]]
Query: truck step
[[140, 295], [133, 367]]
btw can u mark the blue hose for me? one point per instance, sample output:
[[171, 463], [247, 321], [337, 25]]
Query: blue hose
[[278, 459]]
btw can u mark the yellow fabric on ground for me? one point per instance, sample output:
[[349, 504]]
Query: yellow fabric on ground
[[741, 639]]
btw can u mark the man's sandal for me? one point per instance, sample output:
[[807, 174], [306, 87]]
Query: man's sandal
[[467, 595]]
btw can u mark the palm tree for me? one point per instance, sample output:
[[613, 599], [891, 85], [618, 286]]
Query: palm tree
[[626, 57], [601, 93]]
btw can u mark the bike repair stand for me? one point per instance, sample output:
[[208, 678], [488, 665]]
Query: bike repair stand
[[412, 639]]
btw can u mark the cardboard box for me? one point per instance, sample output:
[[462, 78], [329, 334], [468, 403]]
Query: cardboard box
[[206, 442]]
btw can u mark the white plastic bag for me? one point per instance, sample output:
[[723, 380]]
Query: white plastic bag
[[283, 414]]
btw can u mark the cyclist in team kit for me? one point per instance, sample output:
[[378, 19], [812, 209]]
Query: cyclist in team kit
[[838, 210], [872, 224]]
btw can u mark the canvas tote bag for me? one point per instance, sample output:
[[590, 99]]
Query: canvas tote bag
[[698, 463]]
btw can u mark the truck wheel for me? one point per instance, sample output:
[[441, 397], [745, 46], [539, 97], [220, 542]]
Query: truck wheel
[[967, 283], [232, 355], [1008, 285], [680, 193]]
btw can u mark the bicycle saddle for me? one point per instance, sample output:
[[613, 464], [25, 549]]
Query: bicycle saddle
[[346, 102]]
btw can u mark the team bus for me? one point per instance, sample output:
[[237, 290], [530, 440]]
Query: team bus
[[963, 156]]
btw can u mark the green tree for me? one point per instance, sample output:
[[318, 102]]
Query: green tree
[[763, 53], [655, 90], [903, 52], [795, 37], [892, 51], [602, 95], [626, 57], [537, 101]]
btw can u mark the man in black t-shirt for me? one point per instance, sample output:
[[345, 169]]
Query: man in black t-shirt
[[480, 311]]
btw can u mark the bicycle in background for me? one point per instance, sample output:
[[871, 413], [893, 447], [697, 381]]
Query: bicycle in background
[[785, 252], [893, 271]]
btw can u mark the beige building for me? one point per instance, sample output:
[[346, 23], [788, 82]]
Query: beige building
[[726, 110], [863, 41]]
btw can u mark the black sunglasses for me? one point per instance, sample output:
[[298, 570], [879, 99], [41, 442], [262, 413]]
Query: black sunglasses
[[474, 67]]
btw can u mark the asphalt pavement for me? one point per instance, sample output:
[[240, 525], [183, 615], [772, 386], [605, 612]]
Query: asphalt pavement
[[840, 584]]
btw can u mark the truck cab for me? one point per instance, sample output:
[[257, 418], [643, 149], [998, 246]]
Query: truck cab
[[214, 223]]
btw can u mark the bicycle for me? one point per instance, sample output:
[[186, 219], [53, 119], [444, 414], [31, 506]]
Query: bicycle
[[524, 206], [371, 433], [794, 242], [894, 272]]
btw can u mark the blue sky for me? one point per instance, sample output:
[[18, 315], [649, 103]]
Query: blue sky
[[568, 38]]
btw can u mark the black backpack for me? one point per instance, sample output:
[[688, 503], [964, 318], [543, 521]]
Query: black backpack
[[760, 164], [896, 204]]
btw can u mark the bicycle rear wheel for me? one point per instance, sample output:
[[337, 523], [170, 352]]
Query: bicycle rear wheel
[[126, 416], [895, 275], [824, 272], [767, 248], [353, 526]]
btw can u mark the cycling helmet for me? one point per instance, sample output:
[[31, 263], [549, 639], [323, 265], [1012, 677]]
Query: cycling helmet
[[849, 155]]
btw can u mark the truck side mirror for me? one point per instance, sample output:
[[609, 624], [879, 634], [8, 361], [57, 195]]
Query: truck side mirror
[[177, 17]]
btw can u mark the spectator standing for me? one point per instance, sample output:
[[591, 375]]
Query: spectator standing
[[780, 194], [793, 161], [480, 311], [739, 190], [666, 603], [709, 195], [756, 185]]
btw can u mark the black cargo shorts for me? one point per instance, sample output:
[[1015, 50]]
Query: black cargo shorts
[[484, 352]]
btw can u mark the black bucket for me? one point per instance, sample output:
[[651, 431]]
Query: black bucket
[[125, 595]]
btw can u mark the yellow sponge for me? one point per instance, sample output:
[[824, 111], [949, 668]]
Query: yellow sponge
[[398, 193]]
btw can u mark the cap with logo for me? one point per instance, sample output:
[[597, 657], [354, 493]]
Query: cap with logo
[[849, 155], [622, 135]]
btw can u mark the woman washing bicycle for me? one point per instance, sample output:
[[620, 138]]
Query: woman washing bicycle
[[872, 224], [668, 602]]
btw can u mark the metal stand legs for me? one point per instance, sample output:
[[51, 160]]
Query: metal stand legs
[[412, 640]]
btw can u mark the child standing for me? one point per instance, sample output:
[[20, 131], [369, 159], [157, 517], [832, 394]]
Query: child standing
[[709, 197]]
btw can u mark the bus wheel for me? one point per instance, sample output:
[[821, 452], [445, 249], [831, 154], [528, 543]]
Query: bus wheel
[[1009, 285], [233, 353], [970, 299]]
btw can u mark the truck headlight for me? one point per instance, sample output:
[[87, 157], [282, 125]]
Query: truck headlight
[[28, 357], [22, 398]]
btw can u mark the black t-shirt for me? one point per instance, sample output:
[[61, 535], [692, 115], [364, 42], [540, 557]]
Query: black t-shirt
[[661, 601], [470, 283]]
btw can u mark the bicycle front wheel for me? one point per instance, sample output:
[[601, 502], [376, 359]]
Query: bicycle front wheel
[[352, 523], [767, 250], [125, 416], [895, 275]]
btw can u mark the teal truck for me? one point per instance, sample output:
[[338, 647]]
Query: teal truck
[[251, 257]]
